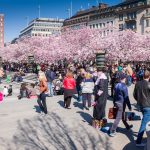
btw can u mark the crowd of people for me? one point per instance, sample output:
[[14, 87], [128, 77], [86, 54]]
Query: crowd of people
[[91, 82]]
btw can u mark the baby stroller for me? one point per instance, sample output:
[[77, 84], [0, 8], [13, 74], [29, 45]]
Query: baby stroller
[[58, 90]]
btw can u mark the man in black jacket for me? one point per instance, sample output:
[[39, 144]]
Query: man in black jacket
[[142, 96]]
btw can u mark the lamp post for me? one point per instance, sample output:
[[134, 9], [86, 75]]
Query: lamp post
[[100, 58], [30, 62]]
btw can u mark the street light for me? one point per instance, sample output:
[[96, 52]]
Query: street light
[[100, 58]]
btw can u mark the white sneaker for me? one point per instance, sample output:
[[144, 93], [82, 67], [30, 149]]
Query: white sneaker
[[112, 134], [140, 145]]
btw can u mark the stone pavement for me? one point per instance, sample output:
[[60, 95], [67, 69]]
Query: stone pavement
[[23, 127]]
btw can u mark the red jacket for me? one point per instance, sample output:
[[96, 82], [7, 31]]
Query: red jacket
[[69, 83]]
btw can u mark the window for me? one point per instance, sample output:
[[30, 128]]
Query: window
[[107, 32], [121, 17], [103, 24], [100, 25], [112, 23], [134, 15], [97, 26], [93, 25], [147, 23], [131, 15], [120, 27], [90, 26], [104, 33]]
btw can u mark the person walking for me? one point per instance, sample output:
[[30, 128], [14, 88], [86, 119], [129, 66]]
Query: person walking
[[69, 86], [142, 96], [87, 86], [43, 92], [121, 99]]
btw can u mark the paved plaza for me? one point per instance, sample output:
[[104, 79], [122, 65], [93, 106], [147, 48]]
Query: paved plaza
[[23, 127]]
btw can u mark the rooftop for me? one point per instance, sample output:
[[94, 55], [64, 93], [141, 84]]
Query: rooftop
[[102, 7], [47, 20]]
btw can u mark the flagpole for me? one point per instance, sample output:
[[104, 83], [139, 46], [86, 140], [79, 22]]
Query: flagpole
[[27, 19], [71, 9], [39, 12]]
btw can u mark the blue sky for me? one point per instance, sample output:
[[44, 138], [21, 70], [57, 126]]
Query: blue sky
[[16, 11]]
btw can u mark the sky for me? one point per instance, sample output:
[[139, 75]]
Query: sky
[[16, 12]]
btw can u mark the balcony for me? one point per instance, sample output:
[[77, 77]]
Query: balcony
[[146, 15], [130, 20]]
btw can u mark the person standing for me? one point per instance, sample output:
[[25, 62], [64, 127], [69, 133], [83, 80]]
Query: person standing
[[121, 99], [1, 74], [79, 80], [43, 92], [69, 86], [129, 72], [142, 96], [50, 75], [87, 86], [101, 95]]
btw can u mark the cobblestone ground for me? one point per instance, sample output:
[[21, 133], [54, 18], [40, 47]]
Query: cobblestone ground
[[22, 127]]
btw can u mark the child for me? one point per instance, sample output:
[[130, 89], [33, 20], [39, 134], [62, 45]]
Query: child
[[5, 91], [10, 90]]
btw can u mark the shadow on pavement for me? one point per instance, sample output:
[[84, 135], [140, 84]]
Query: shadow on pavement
[[131, 146], [129, 133], [61, 103], [87, 117], [50, 133], [77, 104]]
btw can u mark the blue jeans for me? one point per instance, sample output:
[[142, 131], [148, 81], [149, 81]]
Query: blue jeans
[[129, 80], [42, 102], [50, 88], [79, 91], [145, 120]]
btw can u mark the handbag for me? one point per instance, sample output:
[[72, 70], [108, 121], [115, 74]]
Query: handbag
[[112, 113]]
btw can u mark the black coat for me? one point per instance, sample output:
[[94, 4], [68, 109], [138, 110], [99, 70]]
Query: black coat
[[142, 93], [99, 109]]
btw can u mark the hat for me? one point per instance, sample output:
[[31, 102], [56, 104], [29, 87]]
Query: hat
[[122, 76]]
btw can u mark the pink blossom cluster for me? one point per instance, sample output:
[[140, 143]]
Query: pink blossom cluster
[[80, 45]]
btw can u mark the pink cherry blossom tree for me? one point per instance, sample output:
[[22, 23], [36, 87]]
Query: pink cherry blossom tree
[[81, 44]]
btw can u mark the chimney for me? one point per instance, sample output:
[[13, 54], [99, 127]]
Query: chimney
[[102, 5]]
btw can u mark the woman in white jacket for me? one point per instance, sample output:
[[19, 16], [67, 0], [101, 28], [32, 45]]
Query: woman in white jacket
[[87, 90]]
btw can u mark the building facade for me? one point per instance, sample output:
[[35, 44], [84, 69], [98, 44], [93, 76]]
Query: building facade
[[1, 30], [43, 27], [130, 14]]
